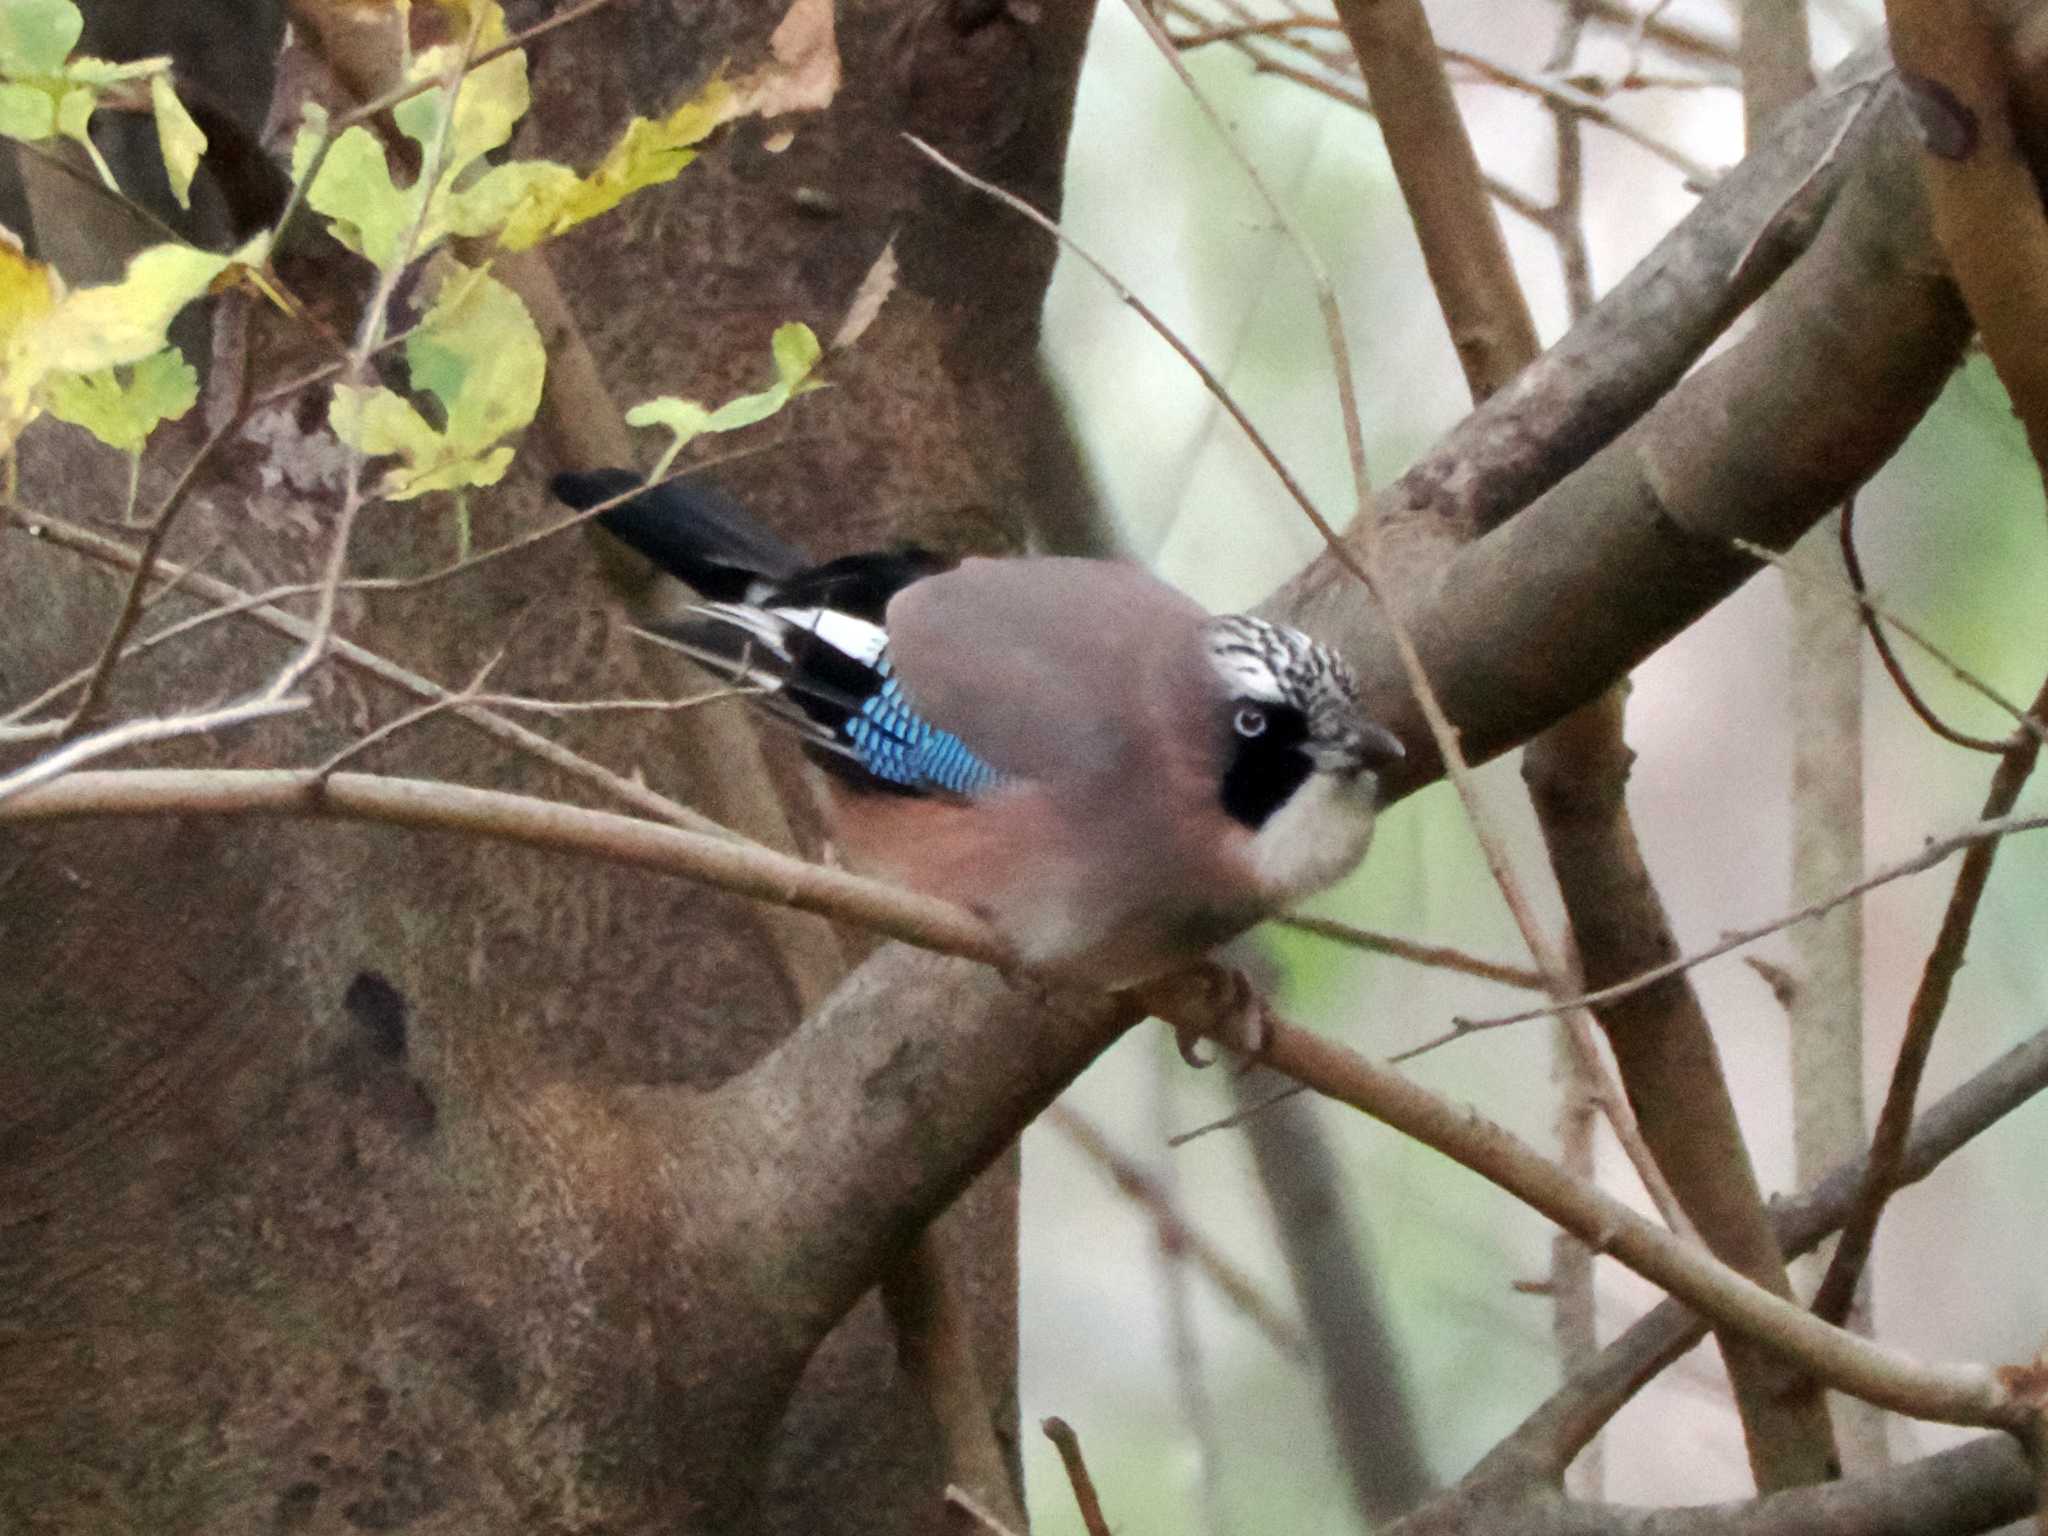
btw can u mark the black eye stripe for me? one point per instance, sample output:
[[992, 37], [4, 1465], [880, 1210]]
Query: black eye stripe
[[1263, 770]]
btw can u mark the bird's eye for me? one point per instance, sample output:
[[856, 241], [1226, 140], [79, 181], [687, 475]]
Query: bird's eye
[[1249, 721]]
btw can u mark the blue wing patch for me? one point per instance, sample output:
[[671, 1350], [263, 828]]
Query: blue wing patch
[[899, 746]]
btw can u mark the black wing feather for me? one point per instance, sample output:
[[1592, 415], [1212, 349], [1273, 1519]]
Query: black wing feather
[[753, 630]]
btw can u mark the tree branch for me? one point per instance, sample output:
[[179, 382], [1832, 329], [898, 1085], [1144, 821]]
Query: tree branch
[[1439, 176], [1554, 1433], [1578, 774], [1546, 611]]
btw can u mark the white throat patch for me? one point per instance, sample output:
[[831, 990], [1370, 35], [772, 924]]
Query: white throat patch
[[1317, 836]]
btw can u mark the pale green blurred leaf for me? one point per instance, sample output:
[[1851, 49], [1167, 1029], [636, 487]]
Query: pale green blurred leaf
[[27, 112], [178, 136], [36, 36]]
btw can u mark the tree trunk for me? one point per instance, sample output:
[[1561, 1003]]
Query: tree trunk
[[351, 1180]]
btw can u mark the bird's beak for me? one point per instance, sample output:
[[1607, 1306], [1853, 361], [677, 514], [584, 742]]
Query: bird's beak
[[1379, 746]]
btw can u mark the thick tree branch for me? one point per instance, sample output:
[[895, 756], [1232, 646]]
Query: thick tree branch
[[1546, 611], [1985, 202], [1962, 1492], [1578, 776], [1439, 177], [1610, 367]]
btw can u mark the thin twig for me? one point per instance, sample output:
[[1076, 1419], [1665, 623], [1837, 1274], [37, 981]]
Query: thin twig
[[1242, 1292], [152, 545], [1551, 1436], [1495, 337], [1962, 674], [260, 609], [369, 334], [1946, 1393], [1881, 643], [1062, 1435], [960, 1499], [1437, 956], [1590, 108], [1930, 1000], [1144, 311], [1937, 851], [144, 731]]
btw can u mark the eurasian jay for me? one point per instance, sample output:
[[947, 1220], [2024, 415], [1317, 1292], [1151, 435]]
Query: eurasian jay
[[1074, 749]]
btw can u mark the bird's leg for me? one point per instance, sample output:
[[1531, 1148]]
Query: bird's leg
[[1211, 1001]]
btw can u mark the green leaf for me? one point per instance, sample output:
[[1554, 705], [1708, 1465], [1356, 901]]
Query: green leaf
[[27, 112], [178, 137], [74, 111], [649, 152], [372, 215], [36, 36], [478, 353], [796, 353], [122, 411]]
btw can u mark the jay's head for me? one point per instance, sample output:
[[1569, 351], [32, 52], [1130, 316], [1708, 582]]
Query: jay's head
[[1302, 760]]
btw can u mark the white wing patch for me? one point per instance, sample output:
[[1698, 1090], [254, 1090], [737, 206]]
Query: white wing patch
[[858, 638]]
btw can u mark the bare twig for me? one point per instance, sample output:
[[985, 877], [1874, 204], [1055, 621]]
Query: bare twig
[[742, 868], [1144, 311], [1440, 957], [144, 731], [369, 335], [1490, 324], [1946, 1393], [1873, 609], [959, 1498], [1062, 1435], [1591, 108], [1937, 851], [1649, 25], [152, 545], [259, 609], [1549, 1438], [1282, 1331], [1881, 643], [1923, 1017]]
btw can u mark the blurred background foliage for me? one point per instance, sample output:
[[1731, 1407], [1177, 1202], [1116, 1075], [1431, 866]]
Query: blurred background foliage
[[1952, 537]]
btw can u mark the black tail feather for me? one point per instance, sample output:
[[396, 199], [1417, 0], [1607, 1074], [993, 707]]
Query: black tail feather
[[696, 533]]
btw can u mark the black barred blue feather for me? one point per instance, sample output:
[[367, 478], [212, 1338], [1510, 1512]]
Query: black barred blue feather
[[897, 744], [809, 637]]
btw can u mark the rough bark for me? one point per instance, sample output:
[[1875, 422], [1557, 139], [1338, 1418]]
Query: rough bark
[[351, 1181]]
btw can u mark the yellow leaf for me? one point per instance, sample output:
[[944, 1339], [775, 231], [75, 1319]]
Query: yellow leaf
[[125, 321], [177, 136], [28, 292], [649, 152]]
